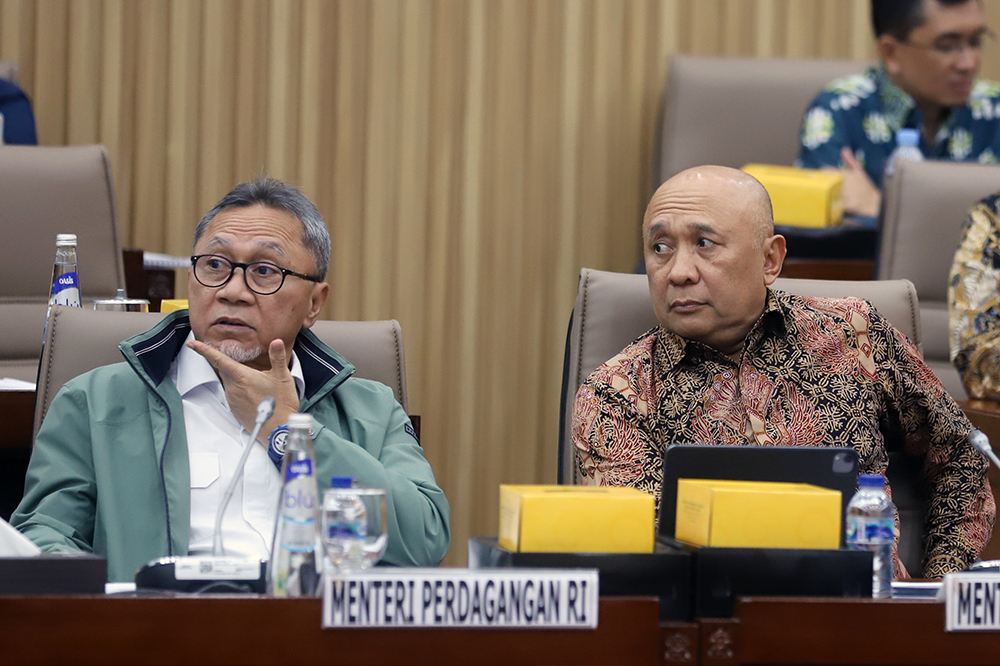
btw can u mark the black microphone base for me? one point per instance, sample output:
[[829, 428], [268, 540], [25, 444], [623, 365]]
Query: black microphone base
[[204, 574]]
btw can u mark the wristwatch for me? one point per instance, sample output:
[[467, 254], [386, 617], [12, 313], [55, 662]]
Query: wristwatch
[[276, 444]]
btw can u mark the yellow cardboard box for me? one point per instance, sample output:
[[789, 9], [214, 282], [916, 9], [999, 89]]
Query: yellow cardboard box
[[801, 197], [171, 304], [576, 519], [753, 514]]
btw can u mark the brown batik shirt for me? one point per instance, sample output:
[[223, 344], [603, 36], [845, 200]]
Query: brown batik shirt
[[814, 372]]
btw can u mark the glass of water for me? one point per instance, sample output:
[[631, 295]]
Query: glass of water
[[376, 536], [354, 527]]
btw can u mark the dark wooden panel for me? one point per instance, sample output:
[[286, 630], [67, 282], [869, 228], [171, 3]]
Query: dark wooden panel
[[855, 631], [829, 269], [17, 413], [250, 630]]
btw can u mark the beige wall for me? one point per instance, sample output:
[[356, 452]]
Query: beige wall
[[469, 157]]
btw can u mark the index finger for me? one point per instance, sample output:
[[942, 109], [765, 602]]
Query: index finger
[[849, 160], [219, 361]]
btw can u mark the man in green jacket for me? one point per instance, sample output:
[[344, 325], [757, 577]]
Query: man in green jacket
[[132, 458]]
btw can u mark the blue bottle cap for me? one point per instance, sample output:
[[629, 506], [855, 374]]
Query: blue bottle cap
[[871, 481], [908, 137], [342, 482]]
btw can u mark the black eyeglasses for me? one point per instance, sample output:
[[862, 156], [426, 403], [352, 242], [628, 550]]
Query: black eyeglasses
[[953, 47], [261, 277]]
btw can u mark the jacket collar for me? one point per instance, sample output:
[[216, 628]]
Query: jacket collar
[[151, 353]]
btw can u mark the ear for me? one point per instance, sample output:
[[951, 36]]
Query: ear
[[320, 292], [774, 257], [887, 48]]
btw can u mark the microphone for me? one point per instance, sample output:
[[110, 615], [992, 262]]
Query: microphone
[[980, 442], [216, 573], [264, 411]]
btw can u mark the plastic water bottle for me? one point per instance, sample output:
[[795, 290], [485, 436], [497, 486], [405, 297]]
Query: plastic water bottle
[[65, 281], [345, 524], [907, 148], [65, 289], [870, 520], [296, 551]]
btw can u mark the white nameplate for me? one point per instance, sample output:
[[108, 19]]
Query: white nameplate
[[385, 597], [216, 568], [972, 601]]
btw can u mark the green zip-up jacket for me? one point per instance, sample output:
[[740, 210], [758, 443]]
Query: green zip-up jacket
[[109, 472]]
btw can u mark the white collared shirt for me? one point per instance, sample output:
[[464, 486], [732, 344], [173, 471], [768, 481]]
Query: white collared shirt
[[215, 443]]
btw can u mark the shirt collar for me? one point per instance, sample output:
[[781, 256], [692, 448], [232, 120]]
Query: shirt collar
[[898, 106], [192, 370], [674, 348]]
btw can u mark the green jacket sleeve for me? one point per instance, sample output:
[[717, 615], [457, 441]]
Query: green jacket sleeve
[[60, 490], [381, 451]]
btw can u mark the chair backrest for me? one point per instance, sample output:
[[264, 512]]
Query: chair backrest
[[8, 71], [925, 204], [79, 340], [45, 191], [613, 309], [732, 111]]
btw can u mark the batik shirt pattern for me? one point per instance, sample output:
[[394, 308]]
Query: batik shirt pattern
[[814, 372], [863, 112], [974, 303]]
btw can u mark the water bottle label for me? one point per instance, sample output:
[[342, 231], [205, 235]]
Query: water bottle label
[[298, 536], [298, 468], [860, 530], [66, 290]]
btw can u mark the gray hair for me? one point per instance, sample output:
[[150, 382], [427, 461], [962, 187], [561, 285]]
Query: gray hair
[[273, 193]]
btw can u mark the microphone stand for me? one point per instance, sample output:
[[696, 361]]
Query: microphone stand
[[264, 411], [981, 443], [216, 573]]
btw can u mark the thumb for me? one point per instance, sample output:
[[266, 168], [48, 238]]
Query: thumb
[[279, 358], [850, 161]]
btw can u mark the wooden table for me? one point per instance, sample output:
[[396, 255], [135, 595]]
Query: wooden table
[[247, 630], [17, 411], [251, 630]]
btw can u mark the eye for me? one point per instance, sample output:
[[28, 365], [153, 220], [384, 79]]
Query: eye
[[705, 242], [265, 270], [216, 263], [659, 248]]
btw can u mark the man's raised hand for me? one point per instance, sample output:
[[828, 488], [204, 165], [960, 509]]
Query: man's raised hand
[[245, 387]]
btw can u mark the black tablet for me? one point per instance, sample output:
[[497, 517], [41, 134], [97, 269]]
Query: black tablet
[[835, 468]]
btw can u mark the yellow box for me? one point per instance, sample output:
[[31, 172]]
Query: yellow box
[[171, 304], [576, 519], [801, 197], [752, 514]]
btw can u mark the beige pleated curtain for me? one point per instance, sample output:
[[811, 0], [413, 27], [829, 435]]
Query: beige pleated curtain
[[468, 156]]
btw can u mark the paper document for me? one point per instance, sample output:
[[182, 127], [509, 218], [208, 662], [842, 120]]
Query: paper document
[[15, 544], [11, 384]]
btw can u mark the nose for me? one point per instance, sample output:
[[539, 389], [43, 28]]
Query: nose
[[684, 268], [236, 290], [969, 58]]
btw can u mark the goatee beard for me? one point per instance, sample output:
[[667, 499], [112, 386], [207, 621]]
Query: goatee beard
[[237, 353]]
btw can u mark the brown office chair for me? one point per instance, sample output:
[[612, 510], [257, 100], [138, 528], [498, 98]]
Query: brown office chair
[[79, 340], [925, 205], [45, 191], [613, 309], [731, 111]]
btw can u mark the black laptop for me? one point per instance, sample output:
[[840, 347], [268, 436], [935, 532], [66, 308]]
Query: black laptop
[[835, 468]]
